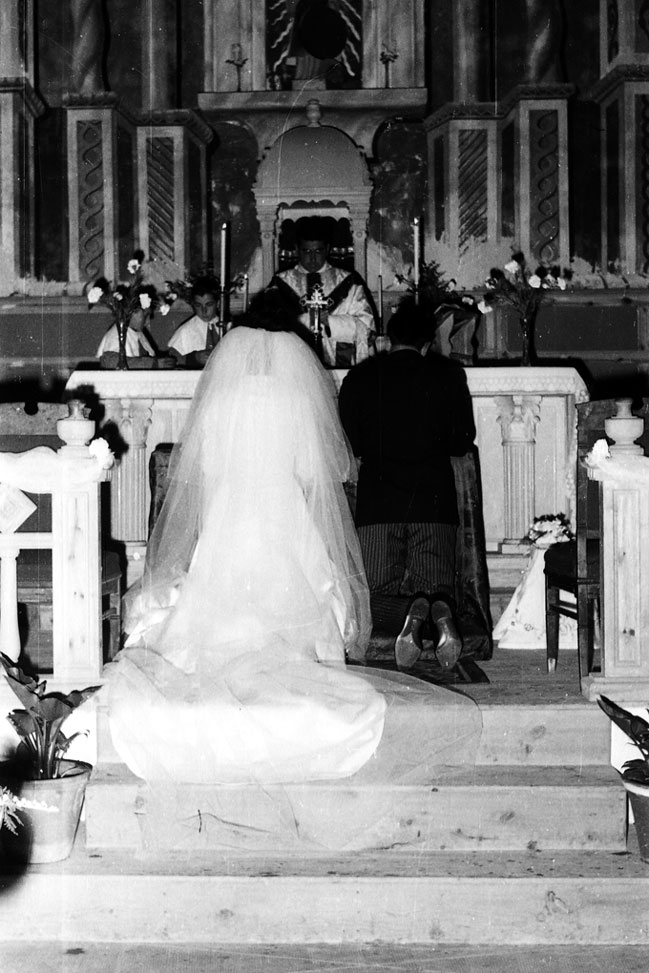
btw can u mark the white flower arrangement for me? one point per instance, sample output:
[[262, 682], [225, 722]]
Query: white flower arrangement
[[598, 453], [101, 451], [524, 289], [125, 299], [549, 529]]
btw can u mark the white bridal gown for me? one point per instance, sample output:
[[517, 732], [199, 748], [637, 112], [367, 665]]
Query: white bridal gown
[[234, 670]]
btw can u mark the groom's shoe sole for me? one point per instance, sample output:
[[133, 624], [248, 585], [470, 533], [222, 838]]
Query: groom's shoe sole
[[408, 645], [449, 646]]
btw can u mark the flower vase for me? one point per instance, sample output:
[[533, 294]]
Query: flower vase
[[122, 359], [527, 322]]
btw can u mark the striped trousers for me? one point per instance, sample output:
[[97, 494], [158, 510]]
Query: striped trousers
[[402, 560]]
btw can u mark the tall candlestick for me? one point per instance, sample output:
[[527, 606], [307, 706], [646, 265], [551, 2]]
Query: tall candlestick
[[415, 267], [246, 291], [379, 300], [224, 271], [224, 253]]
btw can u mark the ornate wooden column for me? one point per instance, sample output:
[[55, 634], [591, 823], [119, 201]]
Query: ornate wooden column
[[623, 96], [462, 213], [101, 187], [19, 106], [462, 150]]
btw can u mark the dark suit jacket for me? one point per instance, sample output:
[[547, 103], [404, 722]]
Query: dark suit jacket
[[405, 416]]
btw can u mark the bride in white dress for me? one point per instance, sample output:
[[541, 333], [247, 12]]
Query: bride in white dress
[[254, 593]]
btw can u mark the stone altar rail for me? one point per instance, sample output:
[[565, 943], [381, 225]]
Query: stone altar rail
[[526, 435]]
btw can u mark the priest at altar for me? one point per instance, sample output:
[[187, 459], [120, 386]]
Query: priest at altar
[[346, 322]]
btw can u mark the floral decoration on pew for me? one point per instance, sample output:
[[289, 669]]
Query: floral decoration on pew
[[102, 453], [549, 529]]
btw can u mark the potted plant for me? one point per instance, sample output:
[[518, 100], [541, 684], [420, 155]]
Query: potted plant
[[635, 772], [47, 788]]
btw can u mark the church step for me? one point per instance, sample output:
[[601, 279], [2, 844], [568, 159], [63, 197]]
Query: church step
[[526, 899], [524, 733], [545, 733], [490, 808]]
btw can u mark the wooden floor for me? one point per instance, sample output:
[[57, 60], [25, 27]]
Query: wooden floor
[[521, 676]]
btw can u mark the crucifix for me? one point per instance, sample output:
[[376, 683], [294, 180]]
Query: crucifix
[[316, 303]]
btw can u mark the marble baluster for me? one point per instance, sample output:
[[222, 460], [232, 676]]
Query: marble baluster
[[129, 512], [518, 416], [9, 635]]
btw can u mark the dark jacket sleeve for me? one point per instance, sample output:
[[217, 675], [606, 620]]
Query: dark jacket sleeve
[[349, 409], [464, 425]]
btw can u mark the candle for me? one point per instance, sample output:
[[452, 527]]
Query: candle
[[379, 299], [224, 254], [416, 245], [246, 289]]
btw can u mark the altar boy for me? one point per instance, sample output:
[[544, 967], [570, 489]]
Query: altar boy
[[192, 342]]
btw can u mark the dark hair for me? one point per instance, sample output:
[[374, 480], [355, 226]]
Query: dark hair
[[205, 285], [409, 324], [312, 228], [269, 310]]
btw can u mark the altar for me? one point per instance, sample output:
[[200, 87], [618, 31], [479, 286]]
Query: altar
[[526, 437]]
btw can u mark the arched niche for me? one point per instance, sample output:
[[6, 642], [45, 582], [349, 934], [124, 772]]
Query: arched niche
[[313, 170]]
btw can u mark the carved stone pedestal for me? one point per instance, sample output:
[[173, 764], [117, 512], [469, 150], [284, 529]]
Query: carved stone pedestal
[[101, 188], [463, 203], [172, 187], [534, 171]]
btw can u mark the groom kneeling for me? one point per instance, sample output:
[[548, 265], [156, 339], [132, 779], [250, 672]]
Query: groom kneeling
[[406, 413]]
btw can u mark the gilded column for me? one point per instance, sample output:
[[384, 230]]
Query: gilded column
[[545, 26], [470, 42], [159, 48], [518, 416], [87, 47]]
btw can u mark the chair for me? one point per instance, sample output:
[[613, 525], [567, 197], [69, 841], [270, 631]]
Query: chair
[[574, 567], [20, 431]]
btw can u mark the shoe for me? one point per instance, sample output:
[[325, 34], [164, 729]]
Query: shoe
[[449, 641], [408, 645]]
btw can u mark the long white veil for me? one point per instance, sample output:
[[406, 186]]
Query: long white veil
[[257, 478], [252, 595]]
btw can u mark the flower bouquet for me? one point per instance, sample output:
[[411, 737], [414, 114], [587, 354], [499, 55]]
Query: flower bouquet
[[126, 300], [525, 290], [549, 529]]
